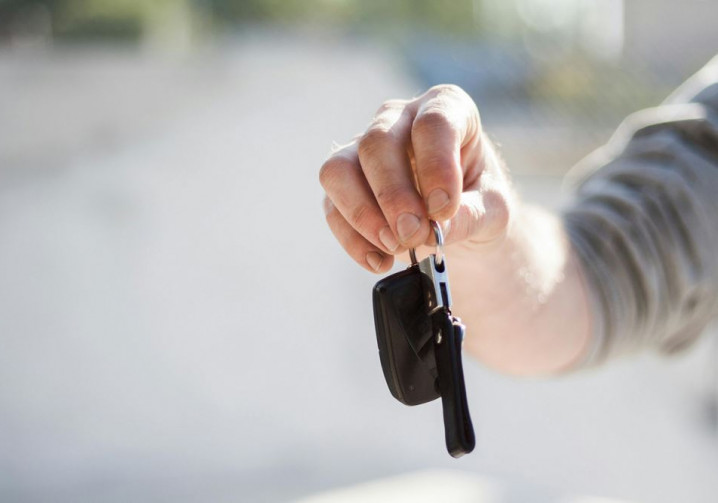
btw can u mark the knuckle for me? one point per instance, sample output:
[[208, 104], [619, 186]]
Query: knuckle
[[327, 173], [331, 219], [331, 171], [378, 136], [446, 91], [393, 196], [431, 119], [328, 206], [360, 217], [450, 98], [453, 90]]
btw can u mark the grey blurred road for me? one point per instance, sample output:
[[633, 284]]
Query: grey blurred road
[[177, 324]]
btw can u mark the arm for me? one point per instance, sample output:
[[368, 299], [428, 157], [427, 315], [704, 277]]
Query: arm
[[644, 224], [641, 271], [632, 264]]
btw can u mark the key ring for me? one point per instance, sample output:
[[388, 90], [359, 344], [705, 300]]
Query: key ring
[[439, 245], [439, 242]]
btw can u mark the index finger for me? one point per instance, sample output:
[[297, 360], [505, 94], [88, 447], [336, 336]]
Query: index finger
[[446, 124]]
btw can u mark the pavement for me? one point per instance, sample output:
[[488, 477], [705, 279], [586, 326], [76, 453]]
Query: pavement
[[178, 324]]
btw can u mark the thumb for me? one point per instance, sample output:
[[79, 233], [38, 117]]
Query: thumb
[[484, 212]]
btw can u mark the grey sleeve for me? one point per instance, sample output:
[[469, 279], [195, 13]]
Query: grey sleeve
[[644, 224]]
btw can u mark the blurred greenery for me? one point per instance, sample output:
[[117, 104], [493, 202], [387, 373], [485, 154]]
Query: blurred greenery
[[453, 17], [115, 19], [459, 41]]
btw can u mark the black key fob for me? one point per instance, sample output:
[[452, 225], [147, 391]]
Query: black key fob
[[404, 337], [420, 343]]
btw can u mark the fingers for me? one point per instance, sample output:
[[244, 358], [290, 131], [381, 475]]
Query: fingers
[[347, 188], [353, 213], [418, 159], [445, 126], [358, 248], [384, 160]]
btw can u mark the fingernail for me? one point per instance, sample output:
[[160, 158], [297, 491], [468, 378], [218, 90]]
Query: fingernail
[[437, 200], [387, 239], [406, 225], [328, 206], [374, 260]]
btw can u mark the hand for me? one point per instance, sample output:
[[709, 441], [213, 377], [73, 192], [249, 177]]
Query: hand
[[515, 282], [419, 159]]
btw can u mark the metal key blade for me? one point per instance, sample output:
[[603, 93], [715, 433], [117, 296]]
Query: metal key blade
[[437, 293]]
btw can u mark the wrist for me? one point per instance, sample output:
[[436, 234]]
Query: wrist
[[521, 296]]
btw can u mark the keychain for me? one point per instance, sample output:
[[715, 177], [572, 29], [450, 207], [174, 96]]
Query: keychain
[[420, 342]]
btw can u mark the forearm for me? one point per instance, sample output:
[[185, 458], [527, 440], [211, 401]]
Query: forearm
[[523, 298], [641, 270]]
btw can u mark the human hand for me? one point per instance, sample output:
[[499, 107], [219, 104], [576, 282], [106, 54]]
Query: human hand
[[419, 159]]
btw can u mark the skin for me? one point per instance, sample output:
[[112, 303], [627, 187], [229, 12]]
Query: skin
[[515, 281]]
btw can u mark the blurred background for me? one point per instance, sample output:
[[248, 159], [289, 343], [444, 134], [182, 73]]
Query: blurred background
[[176, 321]]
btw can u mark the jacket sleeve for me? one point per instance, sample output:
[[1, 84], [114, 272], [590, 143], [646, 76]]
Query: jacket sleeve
[[644, 224]]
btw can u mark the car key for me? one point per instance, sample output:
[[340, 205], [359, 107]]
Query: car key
[[420, 343], [404, 334]]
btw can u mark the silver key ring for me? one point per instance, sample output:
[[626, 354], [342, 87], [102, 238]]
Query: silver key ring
[[439, 242], [439, 245]]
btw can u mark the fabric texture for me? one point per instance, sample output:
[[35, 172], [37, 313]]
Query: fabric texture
[[644, 223]]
